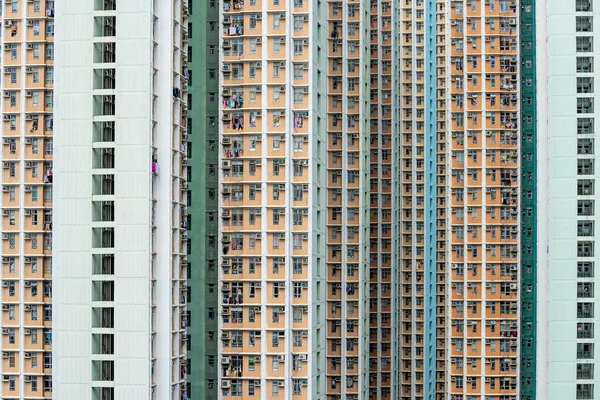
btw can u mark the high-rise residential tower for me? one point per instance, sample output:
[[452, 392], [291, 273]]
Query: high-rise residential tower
[[465, 319], [121, 173], [484, 131], [26, 202], [202, 197], [293, 199], [566, 69]]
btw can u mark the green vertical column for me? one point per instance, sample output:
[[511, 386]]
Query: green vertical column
[[203, 128], [528, 200]]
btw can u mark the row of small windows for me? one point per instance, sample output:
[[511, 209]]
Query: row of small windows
[[585, 228]]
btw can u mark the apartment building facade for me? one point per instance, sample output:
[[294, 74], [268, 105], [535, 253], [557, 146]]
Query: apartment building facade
[[120, 307], [484, 178], [567, 198], [359, 219], [27, 181], [418, 197], [294, 151], [203, 199], [382, 266]]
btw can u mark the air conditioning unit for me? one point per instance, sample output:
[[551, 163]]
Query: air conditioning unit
[[6, 94], [280, 357], [28, 93], [27, 378], [225, 384], [27, 354], [5, 188], [225, 360], [29, 22], [27, 307], [27, 331], [27, 260], [5, 307], [226, 164], [29, 70]]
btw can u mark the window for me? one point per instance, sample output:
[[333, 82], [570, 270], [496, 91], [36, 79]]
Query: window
[[297, 383], [297, 290], [298, 46], [298, 95], [298, 71], [584, 44], [583, 5], [298, 23], [48, 379], [50, 27], [584, 24], [49, 99], [297, 241], [50, 75]]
